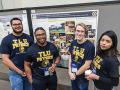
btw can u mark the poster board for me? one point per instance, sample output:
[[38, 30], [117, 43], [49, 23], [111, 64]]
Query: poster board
[[60, 28]]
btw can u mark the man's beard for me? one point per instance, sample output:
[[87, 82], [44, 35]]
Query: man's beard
[[41, 43], [18, 32]]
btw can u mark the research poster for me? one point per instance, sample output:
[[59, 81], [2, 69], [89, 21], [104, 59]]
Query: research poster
[[60, 28], [5, 27]]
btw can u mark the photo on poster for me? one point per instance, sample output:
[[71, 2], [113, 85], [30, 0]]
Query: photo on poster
[[69, 27], [54, 36]]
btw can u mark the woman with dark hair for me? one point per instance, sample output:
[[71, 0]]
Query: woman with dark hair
[[105, 66]]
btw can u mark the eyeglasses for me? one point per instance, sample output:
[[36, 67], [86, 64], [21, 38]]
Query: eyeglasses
[[16, 24], [38, 35]]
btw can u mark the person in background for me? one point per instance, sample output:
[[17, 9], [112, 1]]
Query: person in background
[[41, 60], [105, 66], [82, 53], [13, 49]]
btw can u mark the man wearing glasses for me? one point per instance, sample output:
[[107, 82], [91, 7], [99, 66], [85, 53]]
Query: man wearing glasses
[[13, 49]]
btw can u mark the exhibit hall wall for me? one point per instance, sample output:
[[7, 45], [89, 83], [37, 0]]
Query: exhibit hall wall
[[12, 4], [1, 7], [108, 16]]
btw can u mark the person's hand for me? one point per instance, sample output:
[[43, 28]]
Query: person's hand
[[22, 73], [92, 76], [52, 68], [87, 77], [72, 76]]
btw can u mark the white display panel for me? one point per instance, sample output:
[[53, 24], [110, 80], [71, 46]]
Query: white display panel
[[60, 32]]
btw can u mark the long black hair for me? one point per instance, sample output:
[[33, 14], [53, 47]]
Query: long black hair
[[112, 51]]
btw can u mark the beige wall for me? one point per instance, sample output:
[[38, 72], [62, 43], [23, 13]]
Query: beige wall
[[0, 4], [10, 4]]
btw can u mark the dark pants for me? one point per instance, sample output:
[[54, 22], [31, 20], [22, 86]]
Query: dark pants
[[43, 83], [79, 84], [111, 88]]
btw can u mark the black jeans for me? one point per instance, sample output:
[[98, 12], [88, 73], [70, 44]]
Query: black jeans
[[43, 83]]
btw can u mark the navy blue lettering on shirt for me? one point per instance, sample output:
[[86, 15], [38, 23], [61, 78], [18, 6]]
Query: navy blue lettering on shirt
[[16, 47], [81, 52], [41, 57]]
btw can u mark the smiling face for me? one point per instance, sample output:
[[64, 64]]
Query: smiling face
[[40, 36], [17, 26], [80, 33], [105, 42]]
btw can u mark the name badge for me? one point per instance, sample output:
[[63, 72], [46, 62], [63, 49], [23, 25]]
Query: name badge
[[46, 72], [74, 67], [94, 70]]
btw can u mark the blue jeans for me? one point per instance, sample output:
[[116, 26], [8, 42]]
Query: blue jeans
[[80, 84], [18, 82], [43, 83]]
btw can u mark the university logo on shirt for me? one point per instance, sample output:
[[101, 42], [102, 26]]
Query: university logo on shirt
[[21, 44], [78, 53], [44, 57], [97, 62]]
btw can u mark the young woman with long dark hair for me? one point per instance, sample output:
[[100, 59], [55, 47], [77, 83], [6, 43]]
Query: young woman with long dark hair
[[105, 66]]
